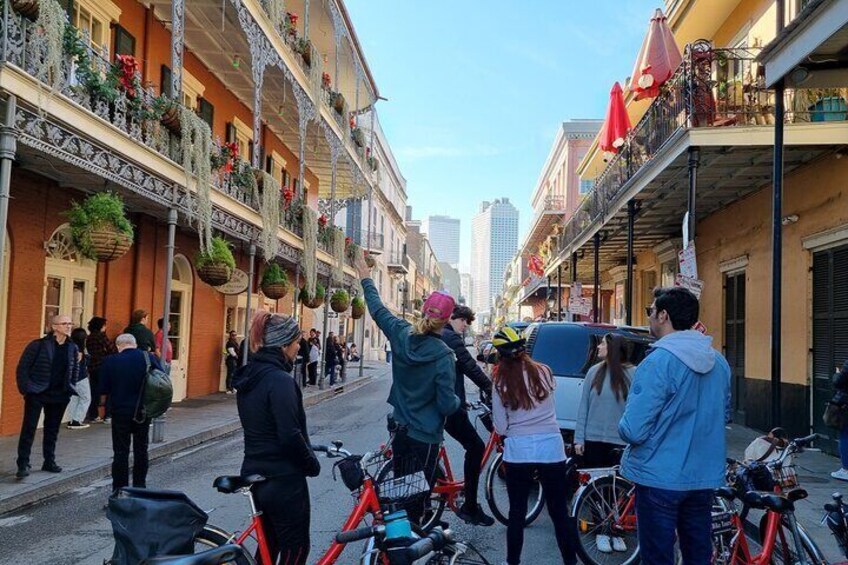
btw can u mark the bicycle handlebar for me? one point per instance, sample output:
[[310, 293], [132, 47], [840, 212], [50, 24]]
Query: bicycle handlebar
[[805, 441], [359, 534], [331, 451], [435, 540]]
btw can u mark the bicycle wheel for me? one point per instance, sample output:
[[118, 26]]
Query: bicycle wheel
[[603, 508], [784, 548], [498, 499], [434, 506], [212, 536], [458, 554]]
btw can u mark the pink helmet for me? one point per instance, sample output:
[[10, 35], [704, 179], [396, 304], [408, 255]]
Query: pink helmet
[[439, 305]]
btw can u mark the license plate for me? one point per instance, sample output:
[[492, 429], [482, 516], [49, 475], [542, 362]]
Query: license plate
[[723, 523]]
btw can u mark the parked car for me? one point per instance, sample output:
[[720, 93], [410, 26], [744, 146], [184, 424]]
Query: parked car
[[520, 327], [570, 349]]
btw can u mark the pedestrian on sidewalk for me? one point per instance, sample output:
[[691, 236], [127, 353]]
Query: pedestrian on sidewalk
[[458, 425], [523, 413], [139, 330], [46, 374], [840, 398], [232, 360], [674, 425], [341, 358], [353, 353], [314, 357], [331, 358], [387, 347], [122, 378], [98, 346], [303, 357], [164, 349], [423, 379], [276, 438], [78, 407]]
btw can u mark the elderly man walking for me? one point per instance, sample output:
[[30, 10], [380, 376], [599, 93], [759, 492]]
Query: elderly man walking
[[46, 374], [122, 377]]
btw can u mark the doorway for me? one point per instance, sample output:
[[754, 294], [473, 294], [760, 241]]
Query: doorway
[[68, 281], [734, 341], [180, 325]]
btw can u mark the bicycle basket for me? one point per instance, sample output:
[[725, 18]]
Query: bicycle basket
[[351, 472], [400, 489], [785, 476]]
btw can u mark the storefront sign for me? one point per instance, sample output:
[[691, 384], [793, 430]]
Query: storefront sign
[[688, 261], [236, 285], [580, 306], [694, 286]]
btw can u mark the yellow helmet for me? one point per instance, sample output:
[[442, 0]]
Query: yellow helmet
[[508, 342]]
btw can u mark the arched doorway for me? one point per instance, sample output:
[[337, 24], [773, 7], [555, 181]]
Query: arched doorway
[[181, 289], [69, 281]]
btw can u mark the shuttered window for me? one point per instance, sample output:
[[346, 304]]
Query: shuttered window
[[124, 42], [206, 111], [734, 341]]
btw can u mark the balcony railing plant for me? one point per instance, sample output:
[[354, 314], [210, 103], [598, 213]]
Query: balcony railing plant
[[712, 88]]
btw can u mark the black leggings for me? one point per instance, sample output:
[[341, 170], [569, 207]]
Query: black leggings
[[285, 510], [553, 477], [460, 428]]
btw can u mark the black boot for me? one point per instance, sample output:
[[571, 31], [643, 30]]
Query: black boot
[[474, 515], [23, 472]]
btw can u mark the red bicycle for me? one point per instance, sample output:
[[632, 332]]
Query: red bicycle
[[450, 491]]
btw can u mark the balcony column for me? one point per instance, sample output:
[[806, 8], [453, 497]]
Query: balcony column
[[338, 33], [335, 153], [777, 239], [596, 296], [559, 292], [628, 293], [306, 19], [305, 113], [260, 57], [573, 280], [548, 300], [177, 46], [247, 320], [8, 148], [296, 292], [169, 266], [694, 163], [368, 244]]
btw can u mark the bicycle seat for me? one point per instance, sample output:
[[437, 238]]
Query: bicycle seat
[[216, 556], [767, 500], [727, 493], [228, 484], [796, 494]]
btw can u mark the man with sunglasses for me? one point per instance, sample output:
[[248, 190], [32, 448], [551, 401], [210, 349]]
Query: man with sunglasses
[[673, 424], [46, 373], [458, 426]]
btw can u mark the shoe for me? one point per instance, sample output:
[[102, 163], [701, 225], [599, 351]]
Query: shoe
[[23, 472], [602, 542], [51, 467], [77, 426], [841, 475], [619, 545], [107, 420], [97, 420], [475, 516], [231, 391]]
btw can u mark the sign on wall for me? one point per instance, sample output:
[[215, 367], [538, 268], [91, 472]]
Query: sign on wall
[[236, 285]]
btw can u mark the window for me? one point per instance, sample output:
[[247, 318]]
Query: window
[[244, 138], [93, 18], [193, 89], [278, 168], [586, 186]]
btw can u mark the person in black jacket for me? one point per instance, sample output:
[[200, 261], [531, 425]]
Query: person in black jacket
[[46, 374], [276, 440], [458, 426], [138, 328]]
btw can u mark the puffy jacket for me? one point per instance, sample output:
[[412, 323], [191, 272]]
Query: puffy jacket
[[144, 338], [270, 407], [423, 373], [466, 366], [36, 362], [674, 419]]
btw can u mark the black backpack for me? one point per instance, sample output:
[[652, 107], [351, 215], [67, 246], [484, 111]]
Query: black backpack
[[156, 393]]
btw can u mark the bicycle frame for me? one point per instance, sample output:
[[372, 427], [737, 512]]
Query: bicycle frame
[[450, 488], [367, 504], [741, 552]]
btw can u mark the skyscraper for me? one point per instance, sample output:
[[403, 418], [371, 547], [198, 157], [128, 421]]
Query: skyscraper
[[494, 241], [443, 233], [465, 288]]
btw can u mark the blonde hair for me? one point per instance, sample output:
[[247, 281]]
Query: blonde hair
[[424, 326]]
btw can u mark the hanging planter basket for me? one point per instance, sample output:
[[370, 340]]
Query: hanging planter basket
[[27, 8], [215, 274], [316, 301], [171, 119], [275, 291], [340, 301], [305, 50], [357, 310], [108, 243], [338, 102], [358, 137]]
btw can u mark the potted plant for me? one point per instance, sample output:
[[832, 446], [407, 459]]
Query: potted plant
[[275, 282], [170, 112], [315, 301], [373, 164], [337, 101], [304, 47], [28, 8], [357, 308], [340, 301], [100, 229], [358, 136], [215, 266]]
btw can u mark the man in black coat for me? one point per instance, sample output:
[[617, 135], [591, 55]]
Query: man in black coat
[[46, 373], [458, 426]]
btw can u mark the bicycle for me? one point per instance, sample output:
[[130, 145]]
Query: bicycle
[[836, 518], [215, 556], [445, 550], [449, 491]]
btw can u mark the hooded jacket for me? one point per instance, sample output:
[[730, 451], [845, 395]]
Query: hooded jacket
[[270, 406], [423, 374], [674, 419], [466, 366]]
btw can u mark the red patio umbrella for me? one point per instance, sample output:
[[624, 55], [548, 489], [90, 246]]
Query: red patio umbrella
[[657, 60], [617, 123]]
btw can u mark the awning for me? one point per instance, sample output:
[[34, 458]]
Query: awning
[[617, 123], [657, 60]]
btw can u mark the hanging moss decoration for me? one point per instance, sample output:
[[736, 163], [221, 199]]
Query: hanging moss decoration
[[50, 24], [276, 10], [268, 199], [197, 149], [338, 242], [310, 250]]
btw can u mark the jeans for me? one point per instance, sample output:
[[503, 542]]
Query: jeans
[[125, 430], [94, 385], [843, 446], [553, 477], [284, 504], [53, 412], [460, 428], [410, 456], [232, 365], [667, 511], [313, 372], [78, 406], [331, 372], [304, 368]]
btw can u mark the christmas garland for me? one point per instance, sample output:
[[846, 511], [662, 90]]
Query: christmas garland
[[310, 250], [269, 208], [338, 255], [197, 150]]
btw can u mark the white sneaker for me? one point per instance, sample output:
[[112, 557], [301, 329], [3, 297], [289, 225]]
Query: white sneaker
[[603, 543], [841, 474], [619, 545]]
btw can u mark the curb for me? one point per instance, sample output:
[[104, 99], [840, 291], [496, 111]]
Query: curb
[[86, 475]]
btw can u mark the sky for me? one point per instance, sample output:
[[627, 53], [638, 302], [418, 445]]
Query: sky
[[477, 89]]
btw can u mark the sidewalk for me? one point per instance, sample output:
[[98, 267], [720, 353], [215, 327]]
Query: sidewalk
[[86, 455], [813, 469]]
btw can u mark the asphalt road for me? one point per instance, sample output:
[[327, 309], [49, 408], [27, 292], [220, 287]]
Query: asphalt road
[[73, 529]]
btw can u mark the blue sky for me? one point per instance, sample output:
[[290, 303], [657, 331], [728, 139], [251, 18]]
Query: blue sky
[[477, 89]]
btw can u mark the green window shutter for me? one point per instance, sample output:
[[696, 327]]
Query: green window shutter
[[269, 165], [68, 5], [165, 87], [124, 42], [206, 111], [230, 135], [285, 177]]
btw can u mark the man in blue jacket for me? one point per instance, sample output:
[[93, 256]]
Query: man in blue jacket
[[674, 427]]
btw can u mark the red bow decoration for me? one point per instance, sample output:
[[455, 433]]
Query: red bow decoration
[[352, 122], [288, 195], [535, 265], [348, 241], [325, 80], [322, 220], [128, 69], [231, 150], [292, 18]]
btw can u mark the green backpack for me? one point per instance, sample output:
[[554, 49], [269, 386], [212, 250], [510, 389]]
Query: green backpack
[[156, 393]]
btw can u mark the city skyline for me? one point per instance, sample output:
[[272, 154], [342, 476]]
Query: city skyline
[[494, 241], [445, 236]]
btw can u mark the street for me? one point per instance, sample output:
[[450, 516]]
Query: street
[[73, 529]]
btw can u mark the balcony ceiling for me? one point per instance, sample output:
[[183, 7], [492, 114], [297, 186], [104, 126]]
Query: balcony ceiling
[[543, 226]]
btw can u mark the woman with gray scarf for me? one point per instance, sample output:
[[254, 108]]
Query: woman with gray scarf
[[276, 440]]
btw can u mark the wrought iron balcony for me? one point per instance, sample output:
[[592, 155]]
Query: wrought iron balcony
[[553, 203], [398, 262], [371, 241]]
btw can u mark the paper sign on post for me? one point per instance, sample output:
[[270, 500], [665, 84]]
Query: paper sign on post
[[688, 261], [694, 286]]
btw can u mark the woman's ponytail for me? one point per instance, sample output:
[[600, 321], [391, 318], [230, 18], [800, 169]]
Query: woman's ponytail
[[257, 329]]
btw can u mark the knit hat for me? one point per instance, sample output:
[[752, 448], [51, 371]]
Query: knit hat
[[439, 305], [280, 330]]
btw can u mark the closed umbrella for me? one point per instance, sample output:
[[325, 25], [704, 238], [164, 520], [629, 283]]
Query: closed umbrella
[[617, 123], [657, 61]]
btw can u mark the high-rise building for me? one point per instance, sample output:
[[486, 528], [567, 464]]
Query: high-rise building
[[443, 233], [450, 279], [465, 288], [494, 241]]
